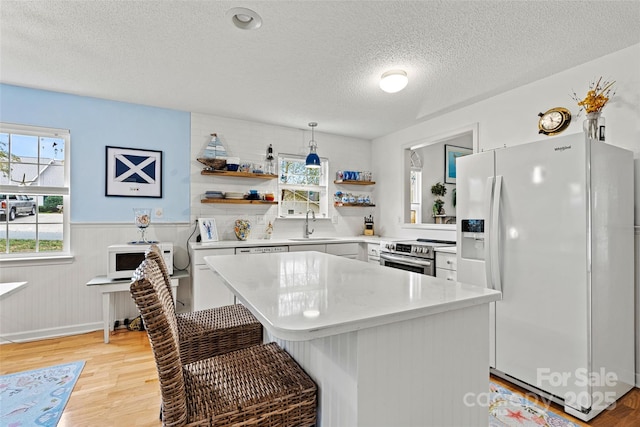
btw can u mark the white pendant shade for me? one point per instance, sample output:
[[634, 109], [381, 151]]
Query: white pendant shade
[[393, 81]]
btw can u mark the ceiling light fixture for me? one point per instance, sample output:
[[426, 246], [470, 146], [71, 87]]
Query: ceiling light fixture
[[245, 19], [313, 161], [393, 81]]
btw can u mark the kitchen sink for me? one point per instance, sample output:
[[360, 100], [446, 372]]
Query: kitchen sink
[[311, 239]]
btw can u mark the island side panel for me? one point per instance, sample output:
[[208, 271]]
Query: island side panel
[[431, 370], [428, 371], [332, 363]]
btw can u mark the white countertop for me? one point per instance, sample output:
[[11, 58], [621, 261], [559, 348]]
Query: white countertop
[[286, 242], [305, 295], [446, 249]]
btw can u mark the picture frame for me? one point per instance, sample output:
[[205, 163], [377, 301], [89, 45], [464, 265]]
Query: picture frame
[[208, 230], [132, 172], [451, 153]]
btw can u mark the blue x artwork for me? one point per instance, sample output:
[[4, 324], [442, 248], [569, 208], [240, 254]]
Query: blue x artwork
[[131, 168]]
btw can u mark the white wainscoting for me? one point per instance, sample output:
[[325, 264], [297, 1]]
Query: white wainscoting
[[56, 300]]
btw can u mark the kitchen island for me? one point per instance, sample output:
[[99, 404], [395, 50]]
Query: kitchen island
[[385, 346]]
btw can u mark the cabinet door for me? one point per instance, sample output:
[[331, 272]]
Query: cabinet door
[[349, 250], [373, 250], [443, 273], [446, 260], [302, 248], [208, 289]]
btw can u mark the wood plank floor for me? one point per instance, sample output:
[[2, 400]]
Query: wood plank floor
[[119, 383]]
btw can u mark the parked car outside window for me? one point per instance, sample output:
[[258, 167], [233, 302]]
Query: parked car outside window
[[16, 204]]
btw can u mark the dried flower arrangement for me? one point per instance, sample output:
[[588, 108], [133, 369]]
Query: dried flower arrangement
[[597, 97]]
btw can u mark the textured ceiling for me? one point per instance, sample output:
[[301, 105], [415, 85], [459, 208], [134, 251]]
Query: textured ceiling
[[310, 60]]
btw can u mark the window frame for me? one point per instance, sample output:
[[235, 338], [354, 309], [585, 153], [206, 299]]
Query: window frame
[[322, 188], [415, 176], [36, 191]]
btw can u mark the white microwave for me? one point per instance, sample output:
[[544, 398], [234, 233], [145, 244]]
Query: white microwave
[[124, 259]]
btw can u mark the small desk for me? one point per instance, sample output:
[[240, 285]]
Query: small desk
[[108, 286]]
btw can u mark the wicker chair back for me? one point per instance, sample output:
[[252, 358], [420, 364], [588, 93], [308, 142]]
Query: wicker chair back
[[155, 303], [155, 253]]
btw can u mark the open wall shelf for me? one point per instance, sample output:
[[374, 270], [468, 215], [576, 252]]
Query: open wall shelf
[[239, 201], [239, 174], [350, 182], [352, 205]]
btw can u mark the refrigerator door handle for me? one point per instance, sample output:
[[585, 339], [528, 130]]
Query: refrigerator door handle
[[495, 235], [488, 190]]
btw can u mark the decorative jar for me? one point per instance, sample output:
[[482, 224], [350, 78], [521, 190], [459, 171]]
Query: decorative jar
[[242, 229]]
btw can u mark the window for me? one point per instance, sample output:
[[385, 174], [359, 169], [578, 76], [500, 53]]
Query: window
[[34, 191], [300, 188]]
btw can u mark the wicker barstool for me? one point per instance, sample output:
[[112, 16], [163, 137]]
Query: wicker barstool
[[210, 332], [257, 386]]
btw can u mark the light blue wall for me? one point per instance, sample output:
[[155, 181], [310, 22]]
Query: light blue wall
[[96, 123]]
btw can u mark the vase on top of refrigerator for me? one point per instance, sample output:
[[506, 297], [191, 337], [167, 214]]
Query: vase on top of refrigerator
[[550, 225]]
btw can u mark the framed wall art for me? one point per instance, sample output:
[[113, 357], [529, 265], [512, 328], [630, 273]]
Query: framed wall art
[[451, 153], [133, 172], [208, 231]]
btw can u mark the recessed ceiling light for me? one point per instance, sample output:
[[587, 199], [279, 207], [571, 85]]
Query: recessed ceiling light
[[393, 81], [243, 18]]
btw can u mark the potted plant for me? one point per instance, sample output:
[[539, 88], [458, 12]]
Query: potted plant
[[438, 190]]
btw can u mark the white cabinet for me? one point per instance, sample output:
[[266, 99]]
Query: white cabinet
[[446, 266], [373, 253], [208, 290], [347, 250]]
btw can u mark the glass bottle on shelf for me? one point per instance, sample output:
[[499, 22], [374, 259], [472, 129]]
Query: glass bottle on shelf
[[270, 161]]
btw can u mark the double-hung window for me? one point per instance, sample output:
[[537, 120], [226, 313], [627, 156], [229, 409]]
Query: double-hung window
[[300, 188], [34, 191]]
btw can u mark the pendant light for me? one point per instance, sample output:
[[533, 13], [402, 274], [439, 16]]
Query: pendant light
[[313, 161]]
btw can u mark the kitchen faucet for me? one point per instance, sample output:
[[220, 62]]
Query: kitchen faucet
[[307, 233]]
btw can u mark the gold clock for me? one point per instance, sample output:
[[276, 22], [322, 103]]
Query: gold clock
[[554, 121]]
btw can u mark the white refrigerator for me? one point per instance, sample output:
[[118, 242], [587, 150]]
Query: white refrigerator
[[550, 225]]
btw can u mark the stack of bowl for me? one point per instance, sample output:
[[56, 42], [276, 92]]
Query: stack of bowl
[[214, 194], [233, 195], [233, 163]]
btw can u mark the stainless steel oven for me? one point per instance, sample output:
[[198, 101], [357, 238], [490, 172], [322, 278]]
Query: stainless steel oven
[[417, 256], [408, 263]]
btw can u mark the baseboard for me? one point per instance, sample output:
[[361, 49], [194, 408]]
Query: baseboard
[[41, 334]]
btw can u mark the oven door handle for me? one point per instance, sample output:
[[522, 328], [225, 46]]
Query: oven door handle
[[405, 260]]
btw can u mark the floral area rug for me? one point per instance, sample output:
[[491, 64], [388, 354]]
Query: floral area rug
[[511, 409], [38, 397]]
